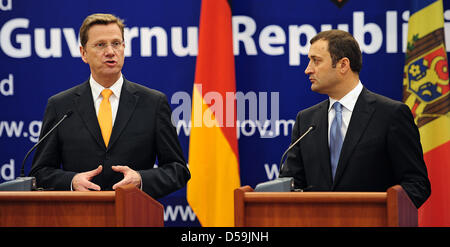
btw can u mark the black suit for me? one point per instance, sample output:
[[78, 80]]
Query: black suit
[[142, 130], [381, 149]]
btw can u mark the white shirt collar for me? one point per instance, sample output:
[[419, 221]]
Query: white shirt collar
[[349, 100], [96, 88]]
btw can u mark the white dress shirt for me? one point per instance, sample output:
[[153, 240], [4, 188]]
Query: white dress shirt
[[348, 103], [116, 88]]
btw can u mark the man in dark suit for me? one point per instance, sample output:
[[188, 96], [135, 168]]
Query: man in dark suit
[[116, 129], [362, 141]]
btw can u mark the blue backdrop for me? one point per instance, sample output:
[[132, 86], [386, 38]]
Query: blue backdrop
[[39, 57]]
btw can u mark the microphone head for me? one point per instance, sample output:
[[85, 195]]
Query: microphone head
[[68, 113], [313, 127]]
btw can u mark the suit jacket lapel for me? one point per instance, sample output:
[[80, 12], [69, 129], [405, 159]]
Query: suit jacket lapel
[[84, 105], [358, 123], [127, 104], [322, 147]]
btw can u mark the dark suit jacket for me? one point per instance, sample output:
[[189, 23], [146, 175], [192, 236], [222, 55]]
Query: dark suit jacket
[[381, 149], [142, 131]]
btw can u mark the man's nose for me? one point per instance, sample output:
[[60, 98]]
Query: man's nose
[[308, 69], [109, 51]]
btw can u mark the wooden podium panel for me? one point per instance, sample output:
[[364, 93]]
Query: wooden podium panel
[[324, 209], [127, 206]]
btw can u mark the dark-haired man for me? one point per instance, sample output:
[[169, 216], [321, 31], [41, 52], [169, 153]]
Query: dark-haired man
[[117, 128], [362, 141]]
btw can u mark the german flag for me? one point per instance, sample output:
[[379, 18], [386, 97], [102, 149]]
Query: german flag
[[213, 146], [426, 92]]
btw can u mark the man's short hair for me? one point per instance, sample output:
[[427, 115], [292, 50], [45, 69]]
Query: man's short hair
[[341, 44], [102, 19]]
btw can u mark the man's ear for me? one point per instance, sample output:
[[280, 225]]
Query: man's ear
[[344, 65], [83, 54]]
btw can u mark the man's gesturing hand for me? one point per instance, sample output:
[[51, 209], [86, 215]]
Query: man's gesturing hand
[[82, 181], [130, 176]]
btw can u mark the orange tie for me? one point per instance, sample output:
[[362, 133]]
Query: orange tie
[[105, 116]]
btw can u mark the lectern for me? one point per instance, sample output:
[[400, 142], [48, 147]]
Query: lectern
[[126, 207], [324, 209]]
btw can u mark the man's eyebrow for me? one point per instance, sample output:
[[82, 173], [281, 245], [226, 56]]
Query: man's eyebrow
[[313, 57]]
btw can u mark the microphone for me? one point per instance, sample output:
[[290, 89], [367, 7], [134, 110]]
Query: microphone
[[311, 128], [23, 183], [22, 170], [283, 184]]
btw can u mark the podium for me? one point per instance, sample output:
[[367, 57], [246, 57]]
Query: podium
[[126, 207], [392, 208]]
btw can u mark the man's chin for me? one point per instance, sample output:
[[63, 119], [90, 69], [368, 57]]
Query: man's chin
[[315, 88], [111, 73], [107, 76]]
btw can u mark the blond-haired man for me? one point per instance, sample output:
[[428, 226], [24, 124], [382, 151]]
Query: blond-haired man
[[116, 130]]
